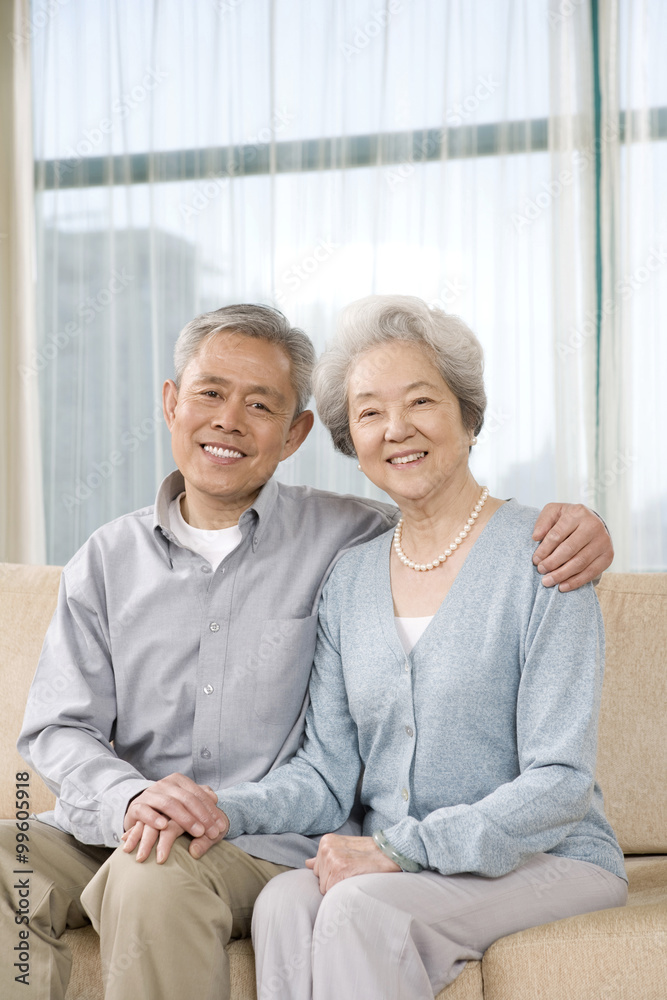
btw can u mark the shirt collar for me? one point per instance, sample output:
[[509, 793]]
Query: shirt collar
[[173, 486]]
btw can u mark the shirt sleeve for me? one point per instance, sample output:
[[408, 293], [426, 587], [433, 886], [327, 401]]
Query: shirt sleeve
[[556, 728], [70, 718], [313, 792]]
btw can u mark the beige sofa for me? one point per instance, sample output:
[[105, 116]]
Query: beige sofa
[[618, 954]]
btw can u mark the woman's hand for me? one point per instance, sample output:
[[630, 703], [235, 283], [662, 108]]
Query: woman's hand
[[340, 857]]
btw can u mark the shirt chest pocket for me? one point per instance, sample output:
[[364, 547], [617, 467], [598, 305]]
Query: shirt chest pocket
[[284, 658]]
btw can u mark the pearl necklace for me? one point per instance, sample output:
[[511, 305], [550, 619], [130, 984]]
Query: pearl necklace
[[462, 535]]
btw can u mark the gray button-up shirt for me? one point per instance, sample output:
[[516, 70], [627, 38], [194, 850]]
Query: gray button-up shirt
[[153, 664]]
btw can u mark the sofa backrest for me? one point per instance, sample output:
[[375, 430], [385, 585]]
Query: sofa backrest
[[632, 741], [632, 746]]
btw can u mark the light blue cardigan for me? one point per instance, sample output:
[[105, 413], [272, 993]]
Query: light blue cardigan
[[478, 749]]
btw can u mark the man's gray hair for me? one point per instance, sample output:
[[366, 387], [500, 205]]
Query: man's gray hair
[[262, 322], [381, 319]]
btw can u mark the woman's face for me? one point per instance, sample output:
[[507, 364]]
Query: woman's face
[[406, 423]]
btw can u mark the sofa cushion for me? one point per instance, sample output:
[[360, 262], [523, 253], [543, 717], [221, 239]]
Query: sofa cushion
[[632, 746], [28, 597], [614, 954], [86, 979]]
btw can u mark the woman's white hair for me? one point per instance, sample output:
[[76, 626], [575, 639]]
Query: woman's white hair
[[261, 322], [381, 319]]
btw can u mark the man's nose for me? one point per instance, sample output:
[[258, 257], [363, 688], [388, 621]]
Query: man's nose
[[230, 416]]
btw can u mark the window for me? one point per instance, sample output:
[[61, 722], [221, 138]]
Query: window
[[189, 156]]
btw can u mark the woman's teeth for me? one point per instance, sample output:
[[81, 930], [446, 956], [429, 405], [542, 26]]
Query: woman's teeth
[[407, 458]]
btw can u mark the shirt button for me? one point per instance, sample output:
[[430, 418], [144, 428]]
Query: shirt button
[[404, 792], [205, 753], [116, 837], [206, 569], [407, 665], [409, 730], [214, 627], [208, 689]]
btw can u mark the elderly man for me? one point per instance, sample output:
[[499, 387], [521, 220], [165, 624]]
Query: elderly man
[[185, 632]]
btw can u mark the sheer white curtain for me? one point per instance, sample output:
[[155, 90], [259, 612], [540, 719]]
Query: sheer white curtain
[[194, 155], [633, 466], [608, 131], [21, 503]]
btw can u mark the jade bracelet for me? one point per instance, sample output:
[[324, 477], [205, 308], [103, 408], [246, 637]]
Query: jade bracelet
[[405, 864]]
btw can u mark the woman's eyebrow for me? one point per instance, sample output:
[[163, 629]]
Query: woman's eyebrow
[[406, 388]]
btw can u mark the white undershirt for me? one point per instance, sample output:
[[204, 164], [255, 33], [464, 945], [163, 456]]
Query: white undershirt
[[410, 630], [213, 544]]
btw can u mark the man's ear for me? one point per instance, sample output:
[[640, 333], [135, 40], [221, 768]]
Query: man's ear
[[298, 432], [169, 400]]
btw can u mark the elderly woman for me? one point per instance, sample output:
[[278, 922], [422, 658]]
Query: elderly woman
[[459, 694]]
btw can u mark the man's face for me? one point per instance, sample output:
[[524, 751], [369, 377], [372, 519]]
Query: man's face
[[231, 421]]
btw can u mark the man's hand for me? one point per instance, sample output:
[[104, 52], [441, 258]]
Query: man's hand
[[575, 546], [173, 805], [145, 837], [340, 857]]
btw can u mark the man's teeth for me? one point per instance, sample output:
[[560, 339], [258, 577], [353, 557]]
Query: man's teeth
[[222, 452], [407, 458]]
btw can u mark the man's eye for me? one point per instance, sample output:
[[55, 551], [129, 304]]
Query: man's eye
[[210, 393], [259, 406]]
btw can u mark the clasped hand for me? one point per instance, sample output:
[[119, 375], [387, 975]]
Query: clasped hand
[[170, 807], [341, 857]]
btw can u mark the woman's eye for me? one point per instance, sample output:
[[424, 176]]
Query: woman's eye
[[422, 399], [368, 413]]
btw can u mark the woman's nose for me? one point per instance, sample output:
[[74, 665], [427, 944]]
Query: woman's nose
[[398, 427]]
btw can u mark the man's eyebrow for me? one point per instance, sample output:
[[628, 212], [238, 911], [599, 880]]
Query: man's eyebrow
[[267, 391], [407, 388]]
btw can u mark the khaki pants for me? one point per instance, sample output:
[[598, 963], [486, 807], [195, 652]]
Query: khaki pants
[[58, 869], [163, 928]]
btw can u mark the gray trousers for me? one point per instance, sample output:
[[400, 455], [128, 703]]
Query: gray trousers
[[401, 936]]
